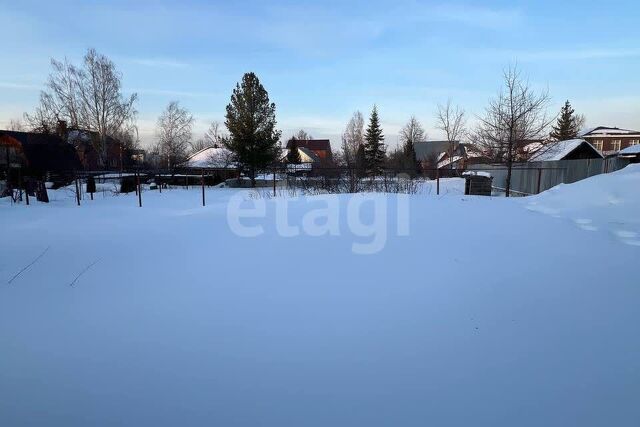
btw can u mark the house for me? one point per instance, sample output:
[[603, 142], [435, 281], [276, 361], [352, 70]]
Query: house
[[86, 143], [571, 149], [320, 147], [211, 158], [215, 160], [308, 160], [36, 154], [439, 154], [610, 140]]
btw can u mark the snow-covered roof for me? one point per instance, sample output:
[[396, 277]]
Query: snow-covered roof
[[558, 150], [477, 173], [306, 155], [605, 130], [634, 149], [211, 157]]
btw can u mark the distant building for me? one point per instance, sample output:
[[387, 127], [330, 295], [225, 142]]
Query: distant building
[[610, 140], [211, 158], [86, 144], [320, 147], [571, 149], [439, 154], [36, 154]]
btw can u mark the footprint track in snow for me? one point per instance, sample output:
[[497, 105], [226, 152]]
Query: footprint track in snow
[[627, 237], [585, 224]]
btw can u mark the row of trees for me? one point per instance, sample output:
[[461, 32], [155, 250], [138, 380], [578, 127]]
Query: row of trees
[[89, 96]]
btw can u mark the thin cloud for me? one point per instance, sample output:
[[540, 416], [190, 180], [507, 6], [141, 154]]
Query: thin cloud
[[159, 63], [476, 16], [19, 86], [176, 93], [557, 55], [578, 54]]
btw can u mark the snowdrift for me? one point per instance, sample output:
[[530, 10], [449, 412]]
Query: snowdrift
[[609, 203], [485, 313]]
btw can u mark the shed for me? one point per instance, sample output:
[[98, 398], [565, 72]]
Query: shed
[[570, 149]]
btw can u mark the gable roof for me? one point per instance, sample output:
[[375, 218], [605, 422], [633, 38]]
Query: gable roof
[[306, 155], [312, 144], [559, 150], [214, 157], [434, 149]]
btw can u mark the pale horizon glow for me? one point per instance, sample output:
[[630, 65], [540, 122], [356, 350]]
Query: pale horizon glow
[[322, 61]]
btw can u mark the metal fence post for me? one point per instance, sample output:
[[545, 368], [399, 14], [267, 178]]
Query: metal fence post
[[139, 190], [539, 179], [202, 182], [437, 181], [273, 171]]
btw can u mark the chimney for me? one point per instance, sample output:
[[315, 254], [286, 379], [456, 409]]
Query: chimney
[[61, 129]]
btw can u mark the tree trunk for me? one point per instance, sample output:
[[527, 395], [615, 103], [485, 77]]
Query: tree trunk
[[509, 164]]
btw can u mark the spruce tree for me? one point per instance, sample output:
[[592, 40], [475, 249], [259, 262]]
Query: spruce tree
[[411, 160], [251, 121], [374, 149], [567, 126], [293, 156]]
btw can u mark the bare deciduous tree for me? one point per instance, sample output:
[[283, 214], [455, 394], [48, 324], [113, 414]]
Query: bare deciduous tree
[[512, 120], [174, 133], [15, 125], [87, 97], [302, 135], [452, 121], [410, 134], [215, 135], [353, 138]]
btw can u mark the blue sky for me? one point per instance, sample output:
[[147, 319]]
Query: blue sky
[[320, 61]]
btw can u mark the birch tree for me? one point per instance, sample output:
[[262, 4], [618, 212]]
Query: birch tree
[[353, 138], [174, 133], [88, 97]]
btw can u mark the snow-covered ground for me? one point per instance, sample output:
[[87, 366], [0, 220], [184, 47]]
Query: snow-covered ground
[[476, 311]]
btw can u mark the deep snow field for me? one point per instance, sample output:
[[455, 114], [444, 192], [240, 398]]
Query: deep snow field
[[474, 311]]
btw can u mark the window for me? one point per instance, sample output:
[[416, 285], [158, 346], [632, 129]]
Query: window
[[635, 142], [615, 145], [598, 144]]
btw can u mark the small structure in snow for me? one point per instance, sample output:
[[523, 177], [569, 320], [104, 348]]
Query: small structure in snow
[[631, 153]]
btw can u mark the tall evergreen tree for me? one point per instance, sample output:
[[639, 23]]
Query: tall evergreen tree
[[374, 149], [251, 121], [568, 124], [293, 156]]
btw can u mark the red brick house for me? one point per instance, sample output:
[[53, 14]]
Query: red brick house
[[610, 140]]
